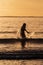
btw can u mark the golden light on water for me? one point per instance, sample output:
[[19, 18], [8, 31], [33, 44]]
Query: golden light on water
[[21, 7]]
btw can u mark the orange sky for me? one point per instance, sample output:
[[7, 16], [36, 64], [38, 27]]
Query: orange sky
[[21, 7]]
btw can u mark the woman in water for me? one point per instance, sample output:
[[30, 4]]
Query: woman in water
[[22, 32]]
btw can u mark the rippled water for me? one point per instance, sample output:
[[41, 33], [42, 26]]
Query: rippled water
[[14, 25], [21, 62], [17, 46]]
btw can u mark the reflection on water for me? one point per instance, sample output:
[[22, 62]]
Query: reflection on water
[[21, 62], [17, 46]]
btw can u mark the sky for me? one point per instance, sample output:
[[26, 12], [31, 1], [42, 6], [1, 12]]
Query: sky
[[21, 7]]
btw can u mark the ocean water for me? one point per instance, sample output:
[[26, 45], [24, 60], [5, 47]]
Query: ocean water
[[10, 28], [21, 62], [17, 46]]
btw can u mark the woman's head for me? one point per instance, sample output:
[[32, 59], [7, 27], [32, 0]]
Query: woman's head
[[24, 24]]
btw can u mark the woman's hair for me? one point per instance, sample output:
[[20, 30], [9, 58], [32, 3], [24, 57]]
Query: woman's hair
[[24, 24]]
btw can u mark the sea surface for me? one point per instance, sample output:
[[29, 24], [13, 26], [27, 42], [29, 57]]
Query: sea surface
[[21, 62], [10, 28]]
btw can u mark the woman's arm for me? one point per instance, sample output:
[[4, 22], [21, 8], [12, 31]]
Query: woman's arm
[[27, 31]]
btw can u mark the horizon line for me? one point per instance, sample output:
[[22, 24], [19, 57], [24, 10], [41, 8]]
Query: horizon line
[[23, 16]]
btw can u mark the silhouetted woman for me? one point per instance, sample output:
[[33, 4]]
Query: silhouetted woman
[[22, 32]]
